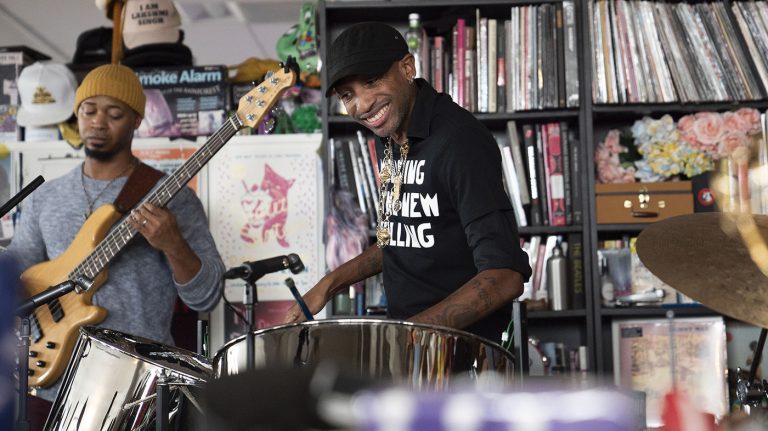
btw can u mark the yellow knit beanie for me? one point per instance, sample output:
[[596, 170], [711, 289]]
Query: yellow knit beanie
[[113, 80]]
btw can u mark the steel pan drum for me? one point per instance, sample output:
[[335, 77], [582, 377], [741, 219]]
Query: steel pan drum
[[112, 378], [420, 356]]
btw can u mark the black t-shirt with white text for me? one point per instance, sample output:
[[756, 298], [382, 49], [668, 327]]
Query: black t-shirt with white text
[[452, 190]]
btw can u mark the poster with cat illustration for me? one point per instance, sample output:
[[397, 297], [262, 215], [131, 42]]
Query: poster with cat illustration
[[265, 200]]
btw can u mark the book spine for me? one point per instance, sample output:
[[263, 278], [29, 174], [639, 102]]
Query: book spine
[[531, 153]]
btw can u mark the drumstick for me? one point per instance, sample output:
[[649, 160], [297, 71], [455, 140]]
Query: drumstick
[[304, 309]]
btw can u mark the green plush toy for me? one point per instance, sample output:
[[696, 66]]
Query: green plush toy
[[305, 118], [300, 41]]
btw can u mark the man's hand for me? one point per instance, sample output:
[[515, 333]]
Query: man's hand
[[315, 300], [157, 225]]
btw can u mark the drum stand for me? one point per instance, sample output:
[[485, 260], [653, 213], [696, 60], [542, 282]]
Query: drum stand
[[752, 392]]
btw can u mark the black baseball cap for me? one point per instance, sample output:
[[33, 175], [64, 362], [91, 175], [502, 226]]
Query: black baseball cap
[[366, 48]]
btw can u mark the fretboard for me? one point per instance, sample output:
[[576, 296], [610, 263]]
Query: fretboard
[[119, 236]]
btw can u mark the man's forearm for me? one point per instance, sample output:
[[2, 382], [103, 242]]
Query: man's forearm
[[366, 264], [482, 295]]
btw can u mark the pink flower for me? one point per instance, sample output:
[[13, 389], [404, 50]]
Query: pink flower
[[686, 129], [612, 142], [731, 141], [751, 119], [735, 123], [708, 128]]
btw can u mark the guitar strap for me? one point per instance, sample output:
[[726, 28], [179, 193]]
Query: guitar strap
[[141, 181]]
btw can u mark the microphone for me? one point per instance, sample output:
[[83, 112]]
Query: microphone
[[21, 195], [259, 268]]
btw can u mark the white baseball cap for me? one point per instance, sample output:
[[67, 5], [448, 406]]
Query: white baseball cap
[[150, 22], [47, 93]]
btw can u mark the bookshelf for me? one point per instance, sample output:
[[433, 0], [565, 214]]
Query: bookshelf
[[603, 116], [574, 328]]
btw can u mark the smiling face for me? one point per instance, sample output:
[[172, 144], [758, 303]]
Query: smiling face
[[106, 126], [381, 103]]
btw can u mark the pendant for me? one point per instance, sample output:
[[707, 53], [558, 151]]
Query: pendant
[[382, 237], [396, 195], [384, 174]]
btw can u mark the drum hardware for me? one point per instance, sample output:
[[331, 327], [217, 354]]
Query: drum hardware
[[161, 418], [752, 392]]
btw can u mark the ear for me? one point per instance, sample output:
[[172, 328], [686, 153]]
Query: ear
[[408, 66], [137, 121]]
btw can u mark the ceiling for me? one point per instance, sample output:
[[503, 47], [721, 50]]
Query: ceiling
[[217, 31]]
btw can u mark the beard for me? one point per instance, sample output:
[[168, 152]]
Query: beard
[[100, 155]]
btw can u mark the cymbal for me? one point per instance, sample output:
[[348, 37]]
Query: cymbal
[[694, 255]]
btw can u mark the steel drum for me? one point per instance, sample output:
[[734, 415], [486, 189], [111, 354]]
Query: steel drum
[[111, 381], [417, 355]]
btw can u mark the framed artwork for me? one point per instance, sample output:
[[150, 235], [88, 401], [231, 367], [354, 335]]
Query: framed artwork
[[642, 361], [265, 197]]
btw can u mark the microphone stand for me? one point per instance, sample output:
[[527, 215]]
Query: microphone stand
[[22, 421], [251, 298], [24, 310]]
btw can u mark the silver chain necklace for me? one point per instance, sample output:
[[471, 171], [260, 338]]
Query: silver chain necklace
[[92, 202], [390, 176]]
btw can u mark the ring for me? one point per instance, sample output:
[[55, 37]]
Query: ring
[[144, 222]]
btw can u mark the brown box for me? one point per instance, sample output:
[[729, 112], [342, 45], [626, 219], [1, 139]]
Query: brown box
[[642, 202]]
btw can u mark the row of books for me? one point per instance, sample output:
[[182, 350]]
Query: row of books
[[665, 52], [526, 62], [353, 167], [541, 173], [540, 249], [752, 19]]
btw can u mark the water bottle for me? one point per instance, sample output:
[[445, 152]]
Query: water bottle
[[414, 40], [556, 279]]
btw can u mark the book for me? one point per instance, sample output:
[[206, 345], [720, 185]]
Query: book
[[519, 162], [571, 54], [501, 68], [643, 361], [567, 186], [531, 154], [555, 173], [541, 176], [575, 258], [577, 190], [492, 65]]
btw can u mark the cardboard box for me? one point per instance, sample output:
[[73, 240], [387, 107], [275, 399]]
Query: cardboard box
[[183, 101], [642, 202], [12, 60]]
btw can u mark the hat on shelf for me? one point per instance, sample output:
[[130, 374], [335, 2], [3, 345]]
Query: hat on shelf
[[159, 55], [47, 93], [150, 21]]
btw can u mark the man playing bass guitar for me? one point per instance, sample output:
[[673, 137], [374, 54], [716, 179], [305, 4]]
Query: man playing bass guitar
[[174, 255]]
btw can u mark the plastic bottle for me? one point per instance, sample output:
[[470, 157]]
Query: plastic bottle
[[556, 278], [413, 37]]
